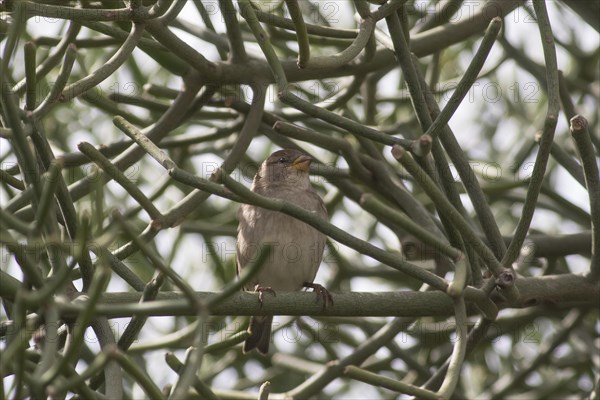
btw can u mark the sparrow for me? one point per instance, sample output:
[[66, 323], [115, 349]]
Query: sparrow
[[297, 248]]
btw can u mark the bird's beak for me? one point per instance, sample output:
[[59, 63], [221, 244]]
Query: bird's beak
[[302, 163]]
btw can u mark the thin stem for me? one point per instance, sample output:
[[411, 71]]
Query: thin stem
[[458, 354], [15, 31], [193, 358], [101, 277], [468, 178], [159, 8], [112, 171], [209, 25], [97, 365], [157, 262], [109, 67], [567, 162], [26, 262], [301, 32], [289, 98], [244, 277], [173, 340], [77, 14], [342, 122], [51, 181], [468, 78], [541, 160], [387, 9], [249, 14], [350, 53], [417, 91], [191, 59], [120, 268], [442, 37], [581, 135], [139, 375], [52, 60], [137, 322], [13, 222], [444, 206], [573, 320], [264, 391], [146, 44], [388, 383], [317, 30], [376, 207], [55, 95], [234, 33], [459, 282], [172, 12], [65, 204], [200, 387], [138, 136], [402, 50], [315, 384], [478, 333], [30, 76], [25, 157], [250, 128], [227, 343]]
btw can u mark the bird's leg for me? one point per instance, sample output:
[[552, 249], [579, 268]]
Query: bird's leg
[[321, 292], [260, 290]]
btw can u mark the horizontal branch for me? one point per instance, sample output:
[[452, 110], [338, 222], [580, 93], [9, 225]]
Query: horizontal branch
[[557, 290]]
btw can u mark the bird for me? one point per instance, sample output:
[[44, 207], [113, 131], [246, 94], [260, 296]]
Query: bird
[[297, 248]]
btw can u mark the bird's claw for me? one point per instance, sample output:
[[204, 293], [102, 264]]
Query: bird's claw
[[322, 293], [261, 290]]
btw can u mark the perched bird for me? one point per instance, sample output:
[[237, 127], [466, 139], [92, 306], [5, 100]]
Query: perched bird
[[297, 247]]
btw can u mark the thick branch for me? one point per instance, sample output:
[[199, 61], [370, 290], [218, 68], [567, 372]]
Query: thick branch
[[556, 290]]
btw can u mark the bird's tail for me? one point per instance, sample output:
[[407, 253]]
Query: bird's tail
[[260, 334]]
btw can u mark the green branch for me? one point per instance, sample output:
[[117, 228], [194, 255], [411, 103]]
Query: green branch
[[468, 78], [541, 160], [582, 137], [565, 291]]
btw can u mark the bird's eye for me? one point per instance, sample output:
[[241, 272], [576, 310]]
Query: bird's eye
[[282, 160]]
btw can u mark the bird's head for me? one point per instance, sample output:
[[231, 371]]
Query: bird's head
[[288, 167]]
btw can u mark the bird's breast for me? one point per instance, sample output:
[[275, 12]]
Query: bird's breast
[[296, 253]]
